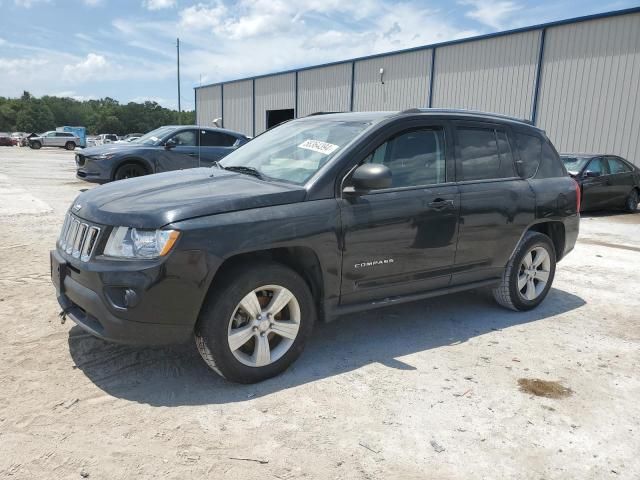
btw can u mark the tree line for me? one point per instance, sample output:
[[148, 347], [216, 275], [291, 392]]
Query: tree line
[[106, 115]]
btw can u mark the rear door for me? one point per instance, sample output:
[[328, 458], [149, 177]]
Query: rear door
[[621, 179], [214, 146], [596, 184], [183, 155], [496, 204], [402, 240]]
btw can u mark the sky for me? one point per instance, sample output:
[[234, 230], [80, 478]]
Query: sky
[[125, 49]]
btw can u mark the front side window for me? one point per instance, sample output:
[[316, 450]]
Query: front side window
[[295, 151], [154, 136], [484, 153], [186, 138], [597, 166], [415, 158], [618, 166]]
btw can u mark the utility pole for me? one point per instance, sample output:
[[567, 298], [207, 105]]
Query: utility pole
[[179, 108]]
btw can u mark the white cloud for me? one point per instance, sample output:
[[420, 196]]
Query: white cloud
[[29, 3], [92, 3], [158, 4], [494, 13], [201, 17], [93, 66]]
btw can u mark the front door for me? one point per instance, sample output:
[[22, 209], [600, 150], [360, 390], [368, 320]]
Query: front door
[[183, 155], [596, 184], [402, 240]]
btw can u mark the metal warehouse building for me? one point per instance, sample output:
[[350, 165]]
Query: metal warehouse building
[[577, 79]]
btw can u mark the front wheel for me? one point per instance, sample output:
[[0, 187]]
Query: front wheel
[[631, 204], [527, 279], [256, 324], [129, 170], [35, 145]]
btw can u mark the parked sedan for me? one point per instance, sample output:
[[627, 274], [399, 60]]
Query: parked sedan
[[606, 181], [5, 140], [167, 148]]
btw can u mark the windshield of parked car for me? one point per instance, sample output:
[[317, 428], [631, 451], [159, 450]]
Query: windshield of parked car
[[295, 151], [574, 164], [154, 136]]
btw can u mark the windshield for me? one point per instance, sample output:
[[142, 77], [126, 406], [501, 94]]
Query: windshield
[[574, 164], [154, 136], [295, 151]]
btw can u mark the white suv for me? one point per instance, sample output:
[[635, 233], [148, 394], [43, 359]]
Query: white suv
[[55, 139]]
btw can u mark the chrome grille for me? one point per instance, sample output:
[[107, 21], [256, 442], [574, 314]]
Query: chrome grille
[[78, 238]]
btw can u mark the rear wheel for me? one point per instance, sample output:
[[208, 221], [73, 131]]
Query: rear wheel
[[70, 145], [529, 274], [35, 145], [633, 199], [129, 170], [256, 324]]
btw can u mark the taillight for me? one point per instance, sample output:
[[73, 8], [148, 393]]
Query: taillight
[[578, 195]]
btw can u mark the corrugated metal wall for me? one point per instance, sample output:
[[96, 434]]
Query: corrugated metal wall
[[238, 106], [208, 105], [590, 84], [406, 82], [325, 89], [275, 92], [494, 75]]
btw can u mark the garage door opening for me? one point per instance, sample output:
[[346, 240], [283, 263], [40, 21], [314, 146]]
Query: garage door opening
[[274, 117]]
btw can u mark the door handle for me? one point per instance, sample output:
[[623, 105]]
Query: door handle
[[441, 204], [193, 154]]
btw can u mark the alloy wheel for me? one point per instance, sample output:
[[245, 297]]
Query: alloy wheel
[[534, 273], [264, 326]]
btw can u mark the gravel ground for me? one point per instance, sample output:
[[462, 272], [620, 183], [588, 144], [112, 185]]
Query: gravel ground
[[428, 390]]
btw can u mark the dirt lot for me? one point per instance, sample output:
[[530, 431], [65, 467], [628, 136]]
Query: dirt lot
[[429, 390]]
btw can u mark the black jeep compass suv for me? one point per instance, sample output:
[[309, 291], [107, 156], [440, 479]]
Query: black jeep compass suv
[[318, 217]]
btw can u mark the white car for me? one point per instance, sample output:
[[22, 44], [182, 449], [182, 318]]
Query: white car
[[105, 138], [55, 139]]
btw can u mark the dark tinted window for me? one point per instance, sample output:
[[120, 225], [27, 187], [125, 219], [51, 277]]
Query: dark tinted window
[[216, 139], [597, 165], [484, 154], [618, 166], [63, 134], [414, 158], [530, 150], [186, 138], [550, 163]]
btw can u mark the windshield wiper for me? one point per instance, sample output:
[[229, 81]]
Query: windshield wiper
[[246, 170]]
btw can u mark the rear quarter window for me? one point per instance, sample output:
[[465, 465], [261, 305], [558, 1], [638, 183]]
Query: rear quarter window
[[530, 150], [550, 164]]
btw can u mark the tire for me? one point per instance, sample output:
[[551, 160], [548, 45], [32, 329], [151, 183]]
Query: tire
[[631, 205], [223, 313], [35, 145], [129, 170], [511, 292], [70, 145]]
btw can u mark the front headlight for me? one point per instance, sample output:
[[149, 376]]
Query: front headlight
[[125, 242], [103, 156]]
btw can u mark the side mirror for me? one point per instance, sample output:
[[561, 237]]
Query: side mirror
[[591, 174], [169, 144], [370, 176]]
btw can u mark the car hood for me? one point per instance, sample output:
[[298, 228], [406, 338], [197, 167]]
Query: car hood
[[157, 200], [114, 148]]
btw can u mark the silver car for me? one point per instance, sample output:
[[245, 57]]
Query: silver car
[[55, 139]]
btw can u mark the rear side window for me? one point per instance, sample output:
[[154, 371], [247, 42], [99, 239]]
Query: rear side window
[[484, 153], [617, 166], [530, 150], [550, 163], [216, 139]]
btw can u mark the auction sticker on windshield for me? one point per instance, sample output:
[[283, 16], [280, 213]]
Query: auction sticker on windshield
[[318, 146]]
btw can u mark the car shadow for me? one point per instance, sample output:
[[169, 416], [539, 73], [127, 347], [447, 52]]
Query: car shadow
[[173, 376]]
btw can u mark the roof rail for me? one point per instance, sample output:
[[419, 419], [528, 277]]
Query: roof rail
[[321, 113], [466, 112]]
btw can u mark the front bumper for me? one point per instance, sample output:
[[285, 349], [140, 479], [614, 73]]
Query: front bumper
[[164, 309], [92, 171]]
